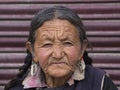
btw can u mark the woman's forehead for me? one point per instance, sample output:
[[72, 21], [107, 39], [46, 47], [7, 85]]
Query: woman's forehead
[[57, 26], [57, 30]]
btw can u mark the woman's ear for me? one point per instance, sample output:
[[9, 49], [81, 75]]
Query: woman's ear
[[29, 47], [83, 47]]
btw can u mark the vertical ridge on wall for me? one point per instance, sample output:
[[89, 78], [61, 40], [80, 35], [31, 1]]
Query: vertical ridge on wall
[[100, 17]]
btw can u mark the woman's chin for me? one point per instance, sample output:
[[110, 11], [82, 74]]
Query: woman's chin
[[58, 71]]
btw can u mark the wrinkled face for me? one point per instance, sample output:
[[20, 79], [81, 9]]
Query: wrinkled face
[[57, 47]]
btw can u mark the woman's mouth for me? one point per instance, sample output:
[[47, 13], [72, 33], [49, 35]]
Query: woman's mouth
[[58, 63]]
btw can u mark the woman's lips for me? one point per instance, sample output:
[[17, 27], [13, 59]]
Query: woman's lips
[[58, 63]]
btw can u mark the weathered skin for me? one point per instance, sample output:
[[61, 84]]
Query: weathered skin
[[57, 49]]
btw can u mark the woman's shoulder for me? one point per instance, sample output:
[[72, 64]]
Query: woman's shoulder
[[91, 70], [94, 77], [100, 77]]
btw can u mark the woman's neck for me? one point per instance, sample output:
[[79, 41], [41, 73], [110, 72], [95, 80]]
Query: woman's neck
[[56, 82]]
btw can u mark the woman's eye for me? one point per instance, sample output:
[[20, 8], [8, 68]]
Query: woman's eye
[[67, 43], [47, 45]]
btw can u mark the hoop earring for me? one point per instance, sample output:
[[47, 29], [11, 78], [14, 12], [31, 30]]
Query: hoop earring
[[34, 68], [81, 66]]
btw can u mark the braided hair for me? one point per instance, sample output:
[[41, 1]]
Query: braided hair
[[58, 12]]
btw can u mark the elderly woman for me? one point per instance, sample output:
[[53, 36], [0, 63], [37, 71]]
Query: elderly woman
[[56, 55]]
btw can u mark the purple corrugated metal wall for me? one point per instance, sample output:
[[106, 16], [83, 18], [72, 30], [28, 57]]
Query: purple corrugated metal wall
[[101, 19]]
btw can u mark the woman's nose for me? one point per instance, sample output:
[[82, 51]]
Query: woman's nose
[[58, 52]]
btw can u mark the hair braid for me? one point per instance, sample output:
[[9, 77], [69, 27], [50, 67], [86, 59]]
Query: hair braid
[[87, 59]]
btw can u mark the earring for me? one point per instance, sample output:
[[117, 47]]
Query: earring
[[34, 68], [79, 70], [81, 65]]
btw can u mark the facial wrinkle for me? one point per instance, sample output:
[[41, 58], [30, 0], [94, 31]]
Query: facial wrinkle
[[46, 33], [61, 31], [58, 31]]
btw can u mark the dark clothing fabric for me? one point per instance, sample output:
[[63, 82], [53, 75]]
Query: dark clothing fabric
[[108, 84], [93, 81]]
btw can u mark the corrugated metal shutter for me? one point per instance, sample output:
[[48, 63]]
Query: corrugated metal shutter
[[101, 18]]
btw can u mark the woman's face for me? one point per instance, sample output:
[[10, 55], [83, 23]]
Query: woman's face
[[57, 47]]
